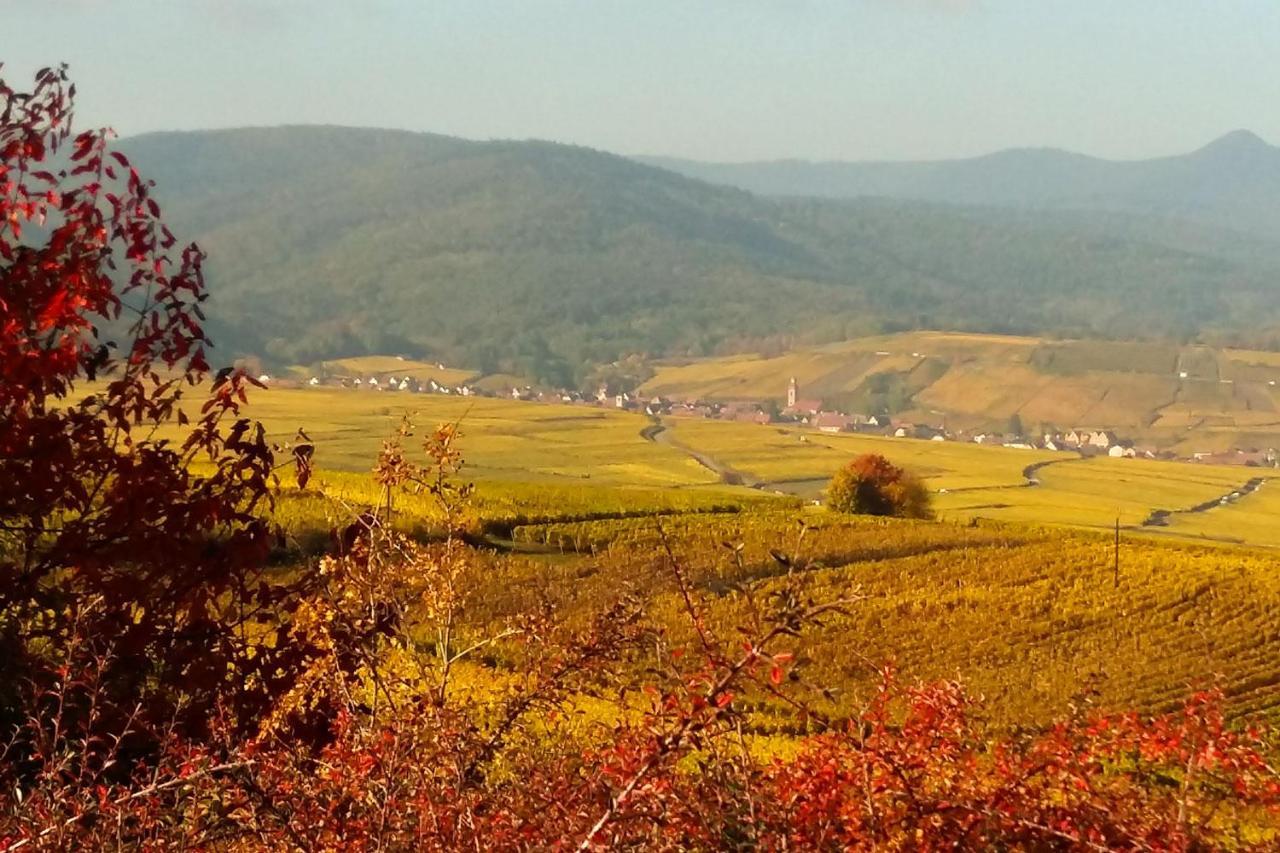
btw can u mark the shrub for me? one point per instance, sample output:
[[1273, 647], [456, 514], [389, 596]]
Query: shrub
[[872, 485]]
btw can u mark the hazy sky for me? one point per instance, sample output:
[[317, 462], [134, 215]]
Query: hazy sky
[[711, 79]]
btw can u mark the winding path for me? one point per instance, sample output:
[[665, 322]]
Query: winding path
[[660, 433], [1160, 517]]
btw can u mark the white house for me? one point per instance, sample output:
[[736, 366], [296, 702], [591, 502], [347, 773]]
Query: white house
[[1101, 438]]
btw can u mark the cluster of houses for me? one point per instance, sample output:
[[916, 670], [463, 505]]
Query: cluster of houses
[[811, 413], [376, 383]]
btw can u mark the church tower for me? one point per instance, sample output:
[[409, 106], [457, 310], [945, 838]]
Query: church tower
[[793, 392]]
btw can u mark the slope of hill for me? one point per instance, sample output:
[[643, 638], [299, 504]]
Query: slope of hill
[[543, 260], [1191, 398], [1232, 182]]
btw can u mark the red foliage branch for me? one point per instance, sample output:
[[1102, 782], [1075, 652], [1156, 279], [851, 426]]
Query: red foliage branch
[[101, 520]]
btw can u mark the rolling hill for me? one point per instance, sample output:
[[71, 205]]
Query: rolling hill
[[544, 260], [1190, 398], [1233, 182]]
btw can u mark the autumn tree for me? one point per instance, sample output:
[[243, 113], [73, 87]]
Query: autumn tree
[[872, 485], [136, 553]]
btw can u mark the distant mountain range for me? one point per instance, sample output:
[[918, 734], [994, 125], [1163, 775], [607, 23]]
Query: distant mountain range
[[546, 260], [1232, 182]]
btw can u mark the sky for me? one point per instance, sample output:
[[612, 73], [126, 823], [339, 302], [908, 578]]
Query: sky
[[726, 80]]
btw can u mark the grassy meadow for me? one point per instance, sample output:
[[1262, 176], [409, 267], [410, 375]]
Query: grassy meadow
[[1095, 492], [1253, 520]]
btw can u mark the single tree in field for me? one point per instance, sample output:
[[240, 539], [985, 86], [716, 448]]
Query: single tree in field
[[872, 485]]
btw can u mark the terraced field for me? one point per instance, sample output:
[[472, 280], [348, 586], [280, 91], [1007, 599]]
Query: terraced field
[[931, 593]]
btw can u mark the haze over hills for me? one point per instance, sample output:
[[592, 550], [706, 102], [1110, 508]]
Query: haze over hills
[[543, 259], [1233, 181]]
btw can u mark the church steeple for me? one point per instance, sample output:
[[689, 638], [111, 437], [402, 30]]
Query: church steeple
[[793, 393]]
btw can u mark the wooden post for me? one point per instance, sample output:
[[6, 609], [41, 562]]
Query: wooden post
[[1116, 575]]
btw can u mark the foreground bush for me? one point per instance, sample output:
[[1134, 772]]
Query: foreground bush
[[912, 772]]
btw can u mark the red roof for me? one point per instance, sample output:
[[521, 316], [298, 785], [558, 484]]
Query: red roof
[[805, 406], [829, 420]]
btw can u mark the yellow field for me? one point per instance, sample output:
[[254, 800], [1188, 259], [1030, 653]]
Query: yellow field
[[535, 460], [972, 481], [503, 439], [778, 454], [1254, 520], [584, 493], [1095, 492]]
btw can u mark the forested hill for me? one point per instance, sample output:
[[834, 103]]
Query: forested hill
[[542, 259], [1233, 182]]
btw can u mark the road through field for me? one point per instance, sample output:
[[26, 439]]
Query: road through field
[[660, 434]]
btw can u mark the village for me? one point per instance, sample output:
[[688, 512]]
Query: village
[[793, 410]]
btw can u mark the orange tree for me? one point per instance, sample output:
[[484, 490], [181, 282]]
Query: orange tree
[[872, 485]]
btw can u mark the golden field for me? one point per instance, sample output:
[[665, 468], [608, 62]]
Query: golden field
[[582, 501], [549, 460]]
